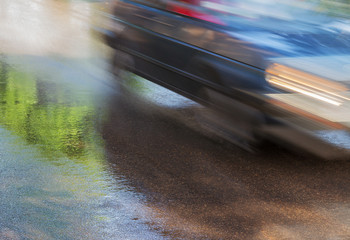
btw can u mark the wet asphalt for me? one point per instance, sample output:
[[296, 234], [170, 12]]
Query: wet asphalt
[[82, 159]]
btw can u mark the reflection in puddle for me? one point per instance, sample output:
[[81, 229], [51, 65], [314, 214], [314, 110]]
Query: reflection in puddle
[[46, 114], [54, 182]]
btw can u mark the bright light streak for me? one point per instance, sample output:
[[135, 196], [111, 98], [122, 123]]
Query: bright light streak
[[302, 91], [307, 84]]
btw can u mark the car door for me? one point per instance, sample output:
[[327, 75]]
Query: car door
[[158, 39]]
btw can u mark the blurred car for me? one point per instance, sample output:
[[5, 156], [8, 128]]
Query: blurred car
[[278, 71]]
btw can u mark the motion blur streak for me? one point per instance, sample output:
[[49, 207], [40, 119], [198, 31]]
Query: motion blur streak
[[82, 159]]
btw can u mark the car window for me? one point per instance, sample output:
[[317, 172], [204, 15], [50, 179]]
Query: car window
[[278, 15], [252, 9], [272, 14]]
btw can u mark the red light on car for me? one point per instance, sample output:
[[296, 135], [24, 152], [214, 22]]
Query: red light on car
[[192, 8]]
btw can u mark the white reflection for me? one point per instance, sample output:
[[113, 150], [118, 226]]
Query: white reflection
[[45, 27]]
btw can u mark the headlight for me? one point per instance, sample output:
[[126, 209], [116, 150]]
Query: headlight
[[313, 97], [315, 108], [292, 80]]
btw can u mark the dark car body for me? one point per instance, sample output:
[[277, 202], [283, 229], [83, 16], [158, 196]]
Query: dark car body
[[231, 61]]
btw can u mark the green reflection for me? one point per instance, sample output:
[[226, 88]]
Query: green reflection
[[48, 200], [46, 113]]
